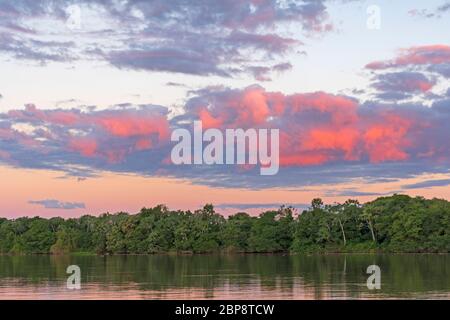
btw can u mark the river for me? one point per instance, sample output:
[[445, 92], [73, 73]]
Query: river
[[410, 276]]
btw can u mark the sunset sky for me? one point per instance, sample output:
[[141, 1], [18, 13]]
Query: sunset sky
[[90, 92]]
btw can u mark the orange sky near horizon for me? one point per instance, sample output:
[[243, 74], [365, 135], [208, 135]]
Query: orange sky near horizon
[[112, 192]]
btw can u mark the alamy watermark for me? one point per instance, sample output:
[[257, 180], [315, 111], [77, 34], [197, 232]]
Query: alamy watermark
[[242, 147], [74, 280], [374, 17], [73, 21], [374, 280]]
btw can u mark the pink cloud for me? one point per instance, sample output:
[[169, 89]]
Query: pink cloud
[[5, 155], [85, 146], [317, 128], [60, 117], [419, 55], [387, 140], [108, 134], [123, 125]]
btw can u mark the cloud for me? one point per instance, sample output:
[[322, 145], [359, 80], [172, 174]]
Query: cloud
[[414, 73], [414, 56], [108, 135], [403, 82], [55, 204], [353, 193], [324, 138], [442, 69], [167, 59], [392, 96], [37, 50], [428, 184], [315, 128], [444, 8], [435, 13], [192, 37], [262, 73], [247, 206], [395, 86], [200, 54]]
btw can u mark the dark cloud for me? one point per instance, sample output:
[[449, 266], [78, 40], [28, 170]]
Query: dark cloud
[[198, 54], [428, 184], [169, 60], [442, 105], [56, 204], [430, 55], [415, 72], [353, 193], [443, 69], [396, 86], [193, 37], [247, 206], [392, 96], [36, 50], [262, 73], [403, 82], [444, 8], [433, 13]]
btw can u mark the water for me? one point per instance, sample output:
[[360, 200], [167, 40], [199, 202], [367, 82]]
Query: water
[[226, 277]]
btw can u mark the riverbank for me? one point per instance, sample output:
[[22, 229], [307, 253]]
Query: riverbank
[[306, 251], [388, 224]]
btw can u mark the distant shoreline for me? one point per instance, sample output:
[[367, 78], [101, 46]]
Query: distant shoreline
[[180, 254], [394, 224]]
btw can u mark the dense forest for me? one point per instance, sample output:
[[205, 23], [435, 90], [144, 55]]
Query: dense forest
[[397, 223]]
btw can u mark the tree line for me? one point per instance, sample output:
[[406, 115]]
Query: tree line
[[398, 223]]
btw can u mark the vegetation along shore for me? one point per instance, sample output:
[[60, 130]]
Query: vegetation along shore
[[398, 223]]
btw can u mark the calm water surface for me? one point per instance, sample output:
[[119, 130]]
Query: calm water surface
[[226, 277]]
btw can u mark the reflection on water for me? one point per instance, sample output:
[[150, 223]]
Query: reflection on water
[[225, 277]]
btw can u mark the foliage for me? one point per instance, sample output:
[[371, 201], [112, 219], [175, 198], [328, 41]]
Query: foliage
[[398, 223]]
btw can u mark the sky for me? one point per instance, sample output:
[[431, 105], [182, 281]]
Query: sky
[[90, 92]]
